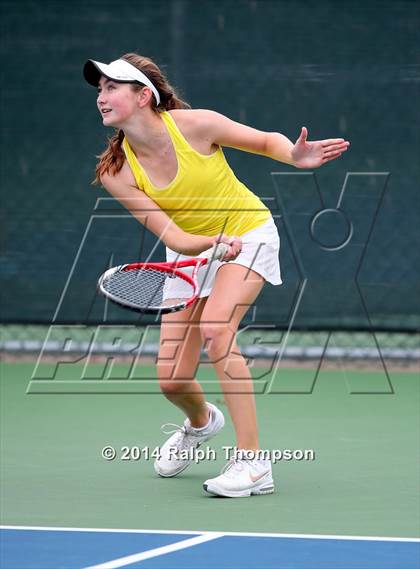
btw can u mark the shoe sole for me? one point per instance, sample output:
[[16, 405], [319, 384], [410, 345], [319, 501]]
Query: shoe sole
[[212, 489], [174, 473]]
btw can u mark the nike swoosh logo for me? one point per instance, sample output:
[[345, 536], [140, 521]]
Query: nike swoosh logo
[[259, 476]]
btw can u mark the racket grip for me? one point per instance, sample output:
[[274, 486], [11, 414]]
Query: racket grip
[[216, 252]]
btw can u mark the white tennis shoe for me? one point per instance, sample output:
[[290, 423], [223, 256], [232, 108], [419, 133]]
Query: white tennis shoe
[[241, 478], [178, 451]]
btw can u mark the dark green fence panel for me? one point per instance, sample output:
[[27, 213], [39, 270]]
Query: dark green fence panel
[[346, 69]]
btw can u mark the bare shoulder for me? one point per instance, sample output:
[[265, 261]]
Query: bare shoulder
[[192, 115], [194, 120], [218, 130], [199, 127]]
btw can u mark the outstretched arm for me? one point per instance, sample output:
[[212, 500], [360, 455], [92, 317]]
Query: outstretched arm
[[302, 154]]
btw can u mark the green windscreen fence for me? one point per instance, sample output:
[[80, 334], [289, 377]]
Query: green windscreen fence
[[349, 231]]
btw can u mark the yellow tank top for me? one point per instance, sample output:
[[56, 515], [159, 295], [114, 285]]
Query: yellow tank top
[[205, 197]]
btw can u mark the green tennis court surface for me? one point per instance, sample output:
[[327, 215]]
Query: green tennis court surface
[[363, 480]]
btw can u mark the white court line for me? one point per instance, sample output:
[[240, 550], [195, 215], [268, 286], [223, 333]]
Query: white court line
[[227, 533], [129, 559]]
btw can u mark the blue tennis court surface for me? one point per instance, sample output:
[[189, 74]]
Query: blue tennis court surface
[[68, 548]]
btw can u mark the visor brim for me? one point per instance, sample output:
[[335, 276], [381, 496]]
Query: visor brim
[[94, 70]]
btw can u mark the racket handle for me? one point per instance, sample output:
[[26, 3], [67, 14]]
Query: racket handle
[[216, 252]]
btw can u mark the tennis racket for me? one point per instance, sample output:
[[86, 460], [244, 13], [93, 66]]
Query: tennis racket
[[147, 287]]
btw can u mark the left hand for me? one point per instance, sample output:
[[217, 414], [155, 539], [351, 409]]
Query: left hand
[[314, 154]]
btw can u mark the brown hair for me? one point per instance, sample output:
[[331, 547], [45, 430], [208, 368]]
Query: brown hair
[[112, 158]]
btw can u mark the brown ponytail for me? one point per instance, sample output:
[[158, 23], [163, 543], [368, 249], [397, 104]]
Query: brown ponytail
[[112, 158]]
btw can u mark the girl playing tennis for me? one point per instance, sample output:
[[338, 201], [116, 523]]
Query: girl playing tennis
[[166, 166]]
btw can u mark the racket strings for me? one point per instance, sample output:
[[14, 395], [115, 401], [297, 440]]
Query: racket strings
[[145, 288]]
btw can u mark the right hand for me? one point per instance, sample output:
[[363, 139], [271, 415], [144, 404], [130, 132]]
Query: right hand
[[235, 246]]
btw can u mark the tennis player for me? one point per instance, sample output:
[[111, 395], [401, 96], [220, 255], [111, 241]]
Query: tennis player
[[165, 164]]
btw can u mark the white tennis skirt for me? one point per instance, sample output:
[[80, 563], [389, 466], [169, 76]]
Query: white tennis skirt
[[260, 252]]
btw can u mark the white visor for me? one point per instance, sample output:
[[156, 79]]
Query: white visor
[[118, 70]]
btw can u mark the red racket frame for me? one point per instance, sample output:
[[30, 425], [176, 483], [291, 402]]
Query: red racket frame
[[173, 269]]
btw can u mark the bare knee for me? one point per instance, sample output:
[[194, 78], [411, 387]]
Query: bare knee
[[217, 339], [172, 388], [174, 374]]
